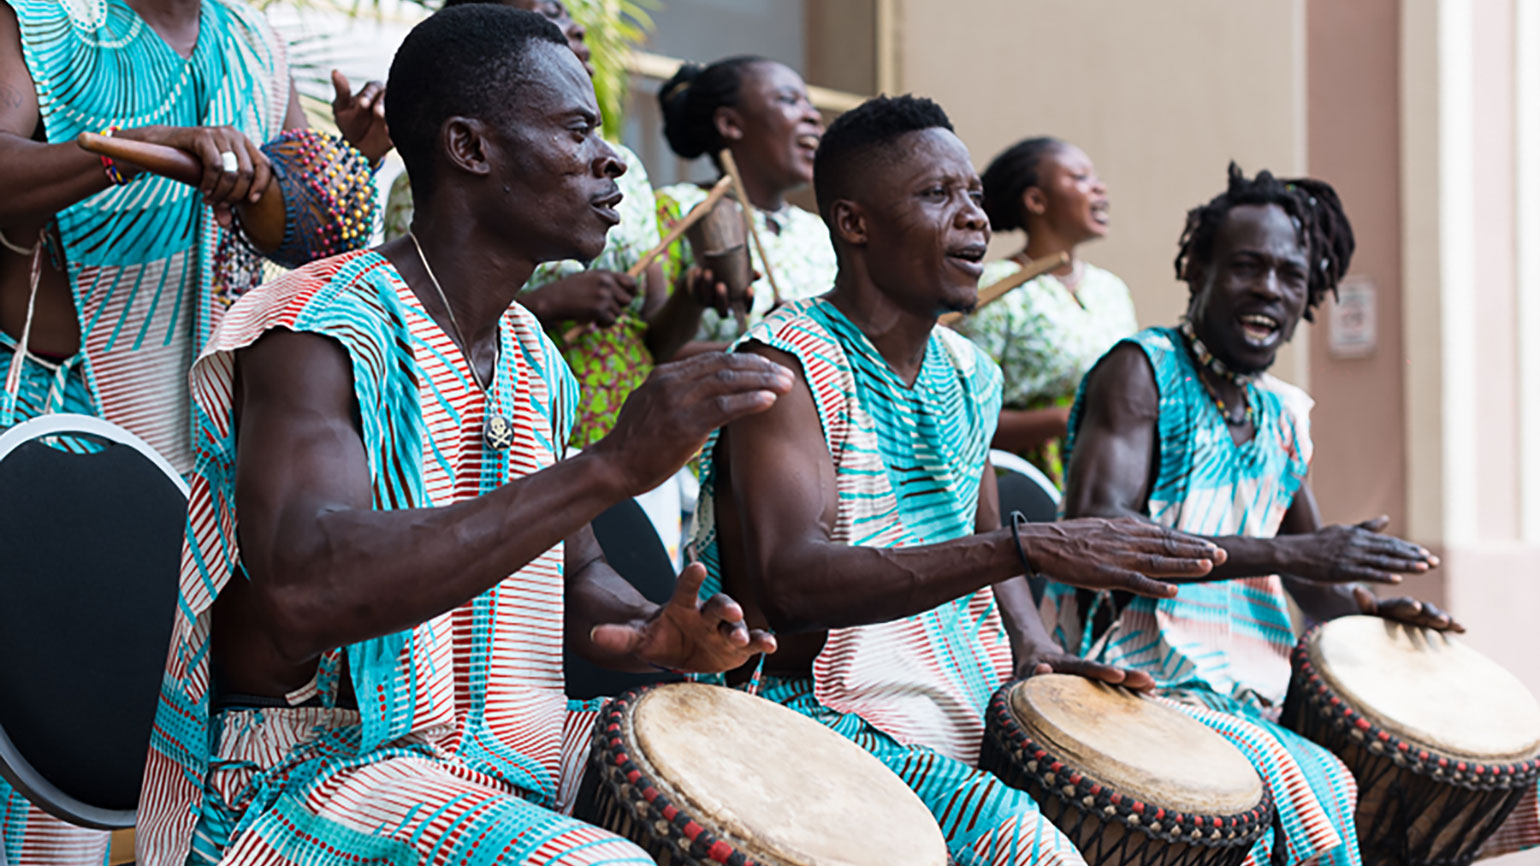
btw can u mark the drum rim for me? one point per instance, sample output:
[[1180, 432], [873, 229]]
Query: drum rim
[[612, 756], [1096, 798], [1419, 758]]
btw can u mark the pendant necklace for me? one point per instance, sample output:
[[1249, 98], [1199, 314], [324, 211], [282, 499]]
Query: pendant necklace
[[499, 430]]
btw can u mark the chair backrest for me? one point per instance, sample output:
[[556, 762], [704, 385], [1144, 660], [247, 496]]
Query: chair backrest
[[633, 549], [1024, 488], [91, 526]]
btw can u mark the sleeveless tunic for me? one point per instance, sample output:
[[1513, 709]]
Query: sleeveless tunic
[[463, 715]]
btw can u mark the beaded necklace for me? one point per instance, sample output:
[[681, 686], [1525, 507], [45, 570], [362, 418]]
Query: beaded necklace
[[1206, 358]]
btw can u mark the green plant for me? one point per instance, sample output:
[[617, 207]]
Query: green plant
[[615, 28]]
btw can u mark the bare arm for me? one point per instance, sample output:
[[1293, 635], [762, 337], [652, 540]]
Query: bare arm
[[327, 569], [1113, 466], [784, 491], [1022, 430]]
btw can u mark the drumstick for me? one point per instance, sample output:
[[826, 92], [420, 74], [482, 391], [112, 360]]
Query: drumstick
[[996, 290], [731, 166], [695, 215], [262, 221]]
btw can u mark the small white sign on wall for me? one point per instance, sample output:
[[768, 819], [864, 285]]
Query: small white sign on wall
[[1351, 320]]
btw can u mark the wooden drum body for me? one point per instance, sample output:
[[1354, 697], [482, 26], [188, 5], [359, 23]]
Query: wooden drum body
[[699, 774], [1128, 780], [1442, 740]]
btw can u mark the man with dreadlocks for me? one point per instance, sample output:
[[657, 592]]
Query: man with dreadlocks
[[1183, 426]]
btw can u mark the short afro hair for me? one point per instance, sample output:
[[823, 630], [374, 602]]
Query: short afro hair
[[861, 134], [466, 61], [1312, 204], [1009, 176]]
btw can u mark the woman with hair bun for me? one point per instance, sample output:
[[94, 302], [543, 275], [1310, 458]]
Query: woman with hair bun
[[760, 111], [1047, 334]]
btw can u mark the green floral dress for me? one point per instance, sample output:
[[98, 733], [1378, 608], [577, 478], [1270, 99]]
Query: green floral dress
[[797, 243], [1046, 338], [609, 362]]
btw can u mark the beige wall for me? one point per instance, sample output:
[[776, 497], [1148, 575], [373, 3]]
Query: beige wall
[[1354, 122], [1161, 95]]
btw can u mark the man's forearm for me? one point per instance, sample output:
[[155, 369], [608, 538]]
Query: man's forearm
[[674, 325], [826, 585], [364, 573], [597, 595]]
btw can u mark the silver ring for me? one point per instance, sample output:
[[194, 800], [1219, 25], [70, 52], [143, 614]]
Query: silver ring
[[228, 162]]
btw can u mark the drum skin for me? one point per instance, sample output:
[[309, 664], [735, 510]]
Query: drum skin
[[1442, 741], [1128, 780], [699, 774]]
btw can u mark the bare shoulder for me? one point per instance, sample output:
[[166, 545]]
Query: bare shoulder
[[1122, 386]]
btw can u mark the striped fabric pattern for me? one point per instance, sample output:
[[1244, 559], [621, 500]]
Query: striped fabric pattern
[[1231, 637], [1219, 650], [457, 751], [908, 462], [150, 269]]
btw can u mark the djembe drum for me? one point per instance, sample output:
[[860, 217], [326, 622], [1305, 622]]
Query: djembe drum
[[699, 774], [1128, 780], [1442, 740]]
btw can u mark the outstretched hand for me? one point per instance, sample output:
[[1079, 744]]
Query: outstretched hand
[[688, 635], [360, 117], [1360, 552], [1405, 609], [1053, 660], [1124, 553]]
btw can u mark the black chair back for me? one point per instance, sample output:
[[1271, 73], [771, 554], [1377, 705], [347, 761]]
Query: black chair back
[[633, 549], [1027, 493], [90, 550]]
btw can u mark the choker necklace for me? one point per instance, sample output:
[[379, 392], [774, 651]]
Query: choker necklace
[[1217, 367], [499, 431], [1207, 359]]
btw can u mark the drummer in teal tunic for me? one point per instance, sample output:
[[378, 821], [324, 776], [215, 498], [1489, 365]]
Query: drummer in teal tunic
[[859, 516], [1184, 427]]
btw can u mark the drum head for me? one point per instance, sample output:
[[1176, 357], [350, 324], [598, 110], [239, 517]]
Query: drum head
[[1135, 746], [781, 787], [1428, 688]]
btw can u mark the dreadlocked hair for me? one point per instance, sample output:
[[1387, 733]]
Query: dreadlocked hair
[[1312, 204]]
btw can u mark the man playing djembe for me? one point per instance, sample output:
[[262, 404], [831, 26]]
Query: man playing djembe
[[858, 515], [384, 557], [1184, 427]]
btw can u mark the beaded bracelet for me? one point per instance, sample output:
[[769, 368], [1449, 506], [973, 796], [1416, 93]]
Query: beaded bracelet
[[114, 175], [1019, 520]]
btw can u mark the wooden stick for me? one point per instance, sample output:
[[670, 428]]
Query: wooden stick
[[262, 221], [731, 166], [695, 215], [996, 290]]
